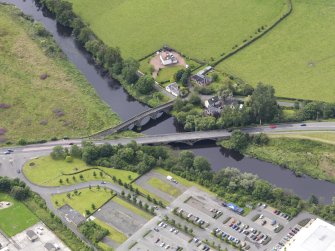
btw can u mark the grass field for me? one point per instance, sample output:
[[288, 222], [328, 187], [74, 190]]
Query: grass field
[[132, 208], [297, 57], [84, 199], [47, 172], [64, 104], [16, 218], [167, 73], [164, 187], [324, 137], [303, 156], [152, 195], [199, 29], [114, 234]]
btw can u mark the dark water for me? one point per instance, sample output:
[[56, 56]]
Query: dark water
[[124, 105]]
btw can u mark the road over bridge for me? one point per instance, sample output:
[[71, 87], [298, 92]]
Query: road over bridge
[[185, 137]]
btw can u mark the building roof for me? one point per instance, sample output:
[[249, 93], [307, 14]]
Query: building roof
[[316, 235], [173, 88], [72, 215], [214, 101], [49, 246], [31, 234]]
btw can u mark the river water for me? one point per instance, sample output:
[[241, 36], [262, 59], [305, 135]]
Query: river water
[[125, 106]]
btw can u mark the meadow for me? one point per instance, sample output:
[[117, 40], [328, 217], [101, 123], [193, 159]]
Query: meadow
[[200, 29], [42, 95], [84, 199], [48, 172], [24, 218], [297, 57], [302, 154]]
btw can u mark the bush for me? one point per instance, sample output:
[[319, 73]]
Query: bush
[[69, 159]]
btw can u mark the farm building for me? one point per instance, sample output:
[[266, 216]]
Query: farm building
[[167, 58], [173, 89]]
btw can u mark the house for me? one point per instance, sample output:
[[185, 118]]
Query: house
[[49, 247], [173, 89], [213, 102], [167, 58], [31, 235], [200, 78]]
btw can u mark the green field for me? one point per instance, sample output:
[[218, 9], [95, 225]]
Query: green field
[[297, 57], [16, 218], [324, 137], [132, 208], [64, 104], [303, 156], [114, 234], [47, 172], [199, 29], [84, 199], [164, 187]]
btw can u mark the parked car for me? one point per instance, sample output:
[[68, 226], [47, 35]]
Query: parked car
[[272, 126], [303, 125]]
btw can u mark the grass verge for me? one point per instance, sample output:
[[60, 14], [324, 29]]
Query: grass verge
[[132, 208], [164, 187], [114, 234]]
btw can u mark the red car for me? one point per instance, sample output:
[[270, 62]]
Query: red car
[[272, 126]]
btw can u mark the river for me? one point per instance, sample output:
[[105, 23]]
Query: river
[[125, 106]]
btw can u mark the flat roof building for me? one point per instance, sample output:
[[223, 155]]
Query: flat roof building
[[317, 235]]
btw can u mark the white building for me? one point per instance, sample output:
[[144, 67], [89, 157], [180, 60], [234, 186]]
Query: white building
[[173, 89], [167, 58], [317, 235]]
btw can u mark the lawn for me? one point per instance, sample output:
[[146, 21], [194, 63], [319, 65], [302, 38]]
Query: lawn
[[48, 172], [303, 156], [114, 234], [16, 218], [325, 137], [199, 29], [167, 73], [132, 208], [64, 104], [83, 199], [164, 187], [297, 57], [152, 195]]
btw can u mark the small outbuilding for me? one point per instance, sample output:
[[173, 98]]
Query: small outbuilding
[[173, 89], [49, 247], [31, 235]]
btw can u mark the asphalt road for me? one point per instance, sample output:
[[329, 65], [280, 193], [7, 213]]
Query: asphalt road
[[179, 137]]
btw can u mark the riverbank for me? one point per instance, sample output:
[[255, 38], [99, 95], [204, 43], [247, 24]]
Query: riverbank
[[302, 156], [40, 87]]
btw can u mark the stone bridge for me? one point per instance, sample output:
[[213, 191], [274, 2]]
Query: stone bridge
[[136, 121]]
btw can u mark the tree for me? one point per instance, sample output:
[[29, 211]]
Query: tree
[[5, 184], [129, 70], [75, 151], [94, 174], [101, 174], [263, 103], [68, 195], [19, 193], [60, 181], [90, 154], [238, 140], [313, 200], [98, 187], [81, 176], [58, 153], [201, 164], [93, 206], [69, 159], [145, 84]]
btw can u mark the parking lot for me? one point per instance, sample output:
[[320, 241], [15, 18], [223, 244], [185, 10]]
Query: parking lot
[[120, 217], [213, 223]]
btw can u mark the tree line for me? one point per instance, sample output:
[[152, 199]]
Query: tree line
[[228, 183], [105, 56]]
